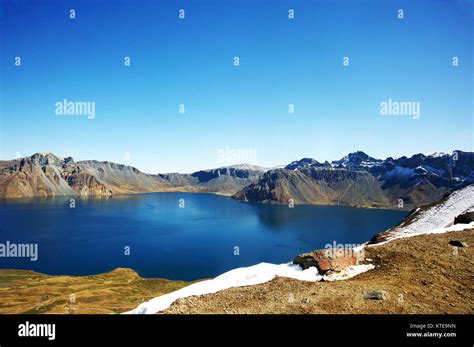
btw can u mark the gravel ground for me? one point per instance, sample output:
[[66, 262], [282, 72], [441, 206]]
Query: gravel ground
[[421, 274]]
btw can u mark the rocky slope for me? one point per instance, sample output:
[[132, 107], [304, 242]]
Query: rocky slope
[[423, 275], [360, 180], [456, 208], [316, 186], [44, 174], [224, 180]]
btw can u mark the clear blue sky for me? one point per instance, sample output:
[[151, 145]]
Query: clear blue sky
[[191, 62]]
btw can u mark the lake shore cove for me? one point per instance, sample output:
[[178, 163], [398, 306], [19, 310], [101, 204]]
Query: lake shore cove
[[145, 232]]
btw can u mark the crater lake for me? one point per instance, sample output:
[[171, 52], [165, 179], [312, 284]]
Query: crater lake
[[157, 236]]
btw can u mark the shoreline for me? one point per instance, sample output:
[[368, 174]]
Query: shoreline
[[405, 264], [224, 194]]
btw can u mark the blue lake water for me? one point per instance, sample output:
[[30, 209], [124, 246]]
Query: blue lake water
[[197, 241]]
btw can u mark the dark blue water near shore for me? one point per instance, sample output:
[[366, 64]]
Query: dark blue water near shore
[[167, 241]]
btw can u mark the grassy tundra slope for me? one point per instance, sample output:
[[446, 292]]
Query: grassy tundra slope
[[117, 291]]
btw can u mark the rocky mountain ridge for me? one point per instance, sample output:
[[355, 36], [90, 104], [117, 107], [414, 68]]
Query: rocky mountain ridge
[[355, 180], [360, 180], [44, 174]]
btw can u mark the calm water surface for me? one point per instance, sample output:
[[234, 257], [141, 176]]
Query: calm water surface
[[167, 241]]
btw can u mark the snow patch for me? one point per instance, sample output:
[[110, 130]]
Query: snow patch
[[438, 216], [455, 227], [248, 167], [244, 276], [348, 272], [436, 154]]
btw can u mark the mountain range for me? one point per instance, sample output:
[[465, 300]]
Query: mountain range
[[44, 174], [360, 180], [355, 180]]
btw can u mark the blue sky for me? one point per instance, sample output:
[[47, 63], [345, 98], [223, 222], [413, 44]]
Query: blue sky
[[190, 62]]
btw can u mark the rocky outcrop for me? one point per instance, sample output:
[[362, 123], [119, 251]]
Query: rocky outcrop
[[329, 260], [38, 175], [464, 218], [376, 295], [84, 183], [457, 243]]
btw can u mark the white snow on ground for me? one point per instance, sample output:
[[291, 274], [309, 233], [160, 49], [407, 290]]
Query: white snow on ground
[[244, 276], [455, 227], [348, 272], [438, 216], [425, 222]]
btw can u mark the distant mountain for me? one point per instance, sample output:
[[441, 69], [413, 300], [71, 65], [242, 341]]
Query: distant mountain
[[304, 163], [44, 174], [224, 180], [315, 186], [357, 161], [360, 180], [355, 180]]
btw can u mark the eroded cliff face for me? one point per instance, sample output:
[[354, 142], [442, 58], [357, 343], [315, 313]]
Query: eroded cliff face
[[44, 174], [316, 186], [360, 180], [38, 175]]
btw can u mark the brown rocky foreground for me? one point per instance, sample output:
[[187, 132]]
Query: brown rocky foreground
[[421, 274]]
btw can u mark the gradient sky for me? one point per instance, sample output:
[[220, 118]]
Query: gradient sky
[[191, 62]]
